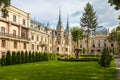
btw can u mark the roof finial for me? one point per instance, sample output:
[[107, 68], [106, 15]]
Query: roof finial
[[67, 28], [60, 14]]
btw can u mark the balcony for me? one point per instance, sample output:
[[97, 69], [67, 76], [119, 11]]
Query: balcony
[[42, 43], [6, 35]]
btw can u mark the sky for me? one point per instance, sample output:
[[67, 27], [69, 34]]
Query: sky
[[45, 11]]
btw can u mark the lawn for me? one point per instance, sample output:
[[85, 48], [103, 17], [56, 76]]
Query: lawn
[[58, 70]]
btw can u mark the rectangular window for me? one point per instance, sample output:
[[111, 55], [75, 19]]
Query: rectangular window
[[37, 47], [66, 49], [15, 45], [14, 33], [3, 44], [3, 29], [32, 37], [14, 18], [23, 22], [37, 38], [32, 46], [24, 45], [57, 49]]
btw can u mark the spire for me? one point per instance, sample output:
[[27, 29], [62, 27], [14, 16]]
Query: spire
[[67, 28], [59, 15], [59, 25]]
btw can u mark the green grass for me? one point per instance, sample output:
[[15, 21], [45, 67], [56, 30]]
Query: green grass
[[58, 70]]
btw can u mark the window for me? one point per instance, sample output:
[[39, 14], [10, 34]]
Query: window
[[46, 48], [32, 46], [58, 42], [14, 33], [15, 45], [112, 45], [32, 37], [14, 18], [37, 38], [80, 46], [99, 43], [3, 29], [23, 22], [23, 34], [66, 49], [57, 49], [24, 45], [93, 45], [37, 47], [3, 44], [104, 44], [50, 48]]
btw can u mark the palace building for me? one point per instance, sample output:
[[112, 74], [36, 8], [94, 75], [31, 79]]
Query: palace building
[[97, 41], [18, 32]]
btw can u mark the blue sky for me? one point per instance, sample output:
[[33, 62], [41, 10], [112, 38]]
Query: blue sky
[[47, 11]]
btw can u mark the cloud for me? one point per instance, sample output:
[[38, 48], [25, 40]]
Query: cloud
[[48, 10], [77, 13]]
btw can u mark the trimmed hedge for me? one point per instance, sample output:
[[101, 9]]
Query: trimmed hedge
[[82, 59], [25, 57]]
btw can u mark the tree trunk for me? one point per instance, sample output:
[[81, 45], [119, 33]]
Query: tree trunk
[[87, 43], [77, 51]]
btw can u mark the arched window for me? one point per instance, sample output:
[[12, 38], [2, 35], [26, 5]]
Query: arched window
[[57, 49], [93, 44], [112, 45], [99, 43]]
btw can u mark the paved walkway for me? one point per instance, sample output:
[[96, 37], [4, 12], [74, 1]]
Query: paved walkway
[[117, 63]]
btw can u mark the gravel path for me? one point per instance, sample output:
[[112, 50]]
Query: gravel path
[[117, 63]]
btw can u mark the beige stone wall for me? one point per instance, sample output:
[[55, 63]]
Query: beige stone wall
[[46, 42]]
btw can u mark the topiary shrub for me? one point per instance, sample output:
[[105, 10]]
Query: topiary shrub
[[22, 57], [106, 58], [26, 57], [33, 57], [84, 50], [52, 56], [13, 58], [3, 60], [45, 56], [30, 57], [8, 58], [18, 60]]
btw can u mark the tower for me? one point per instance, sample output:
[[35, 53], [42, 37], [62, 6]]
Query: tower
[[60, 29], [67, 32]]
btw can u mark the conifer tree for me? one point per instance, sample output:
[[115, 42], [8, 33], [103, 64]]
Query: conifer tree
[[13, 57], [33, 56], [36, 56], [88, 22], [30, 57], [106, 58], [3, 60], [18, 61], [22, 57], [26, 57], [8, 58]]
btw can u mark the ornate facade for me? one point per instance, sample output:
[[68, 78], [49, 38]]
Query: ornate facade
[[97, 41], [19, 33]]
